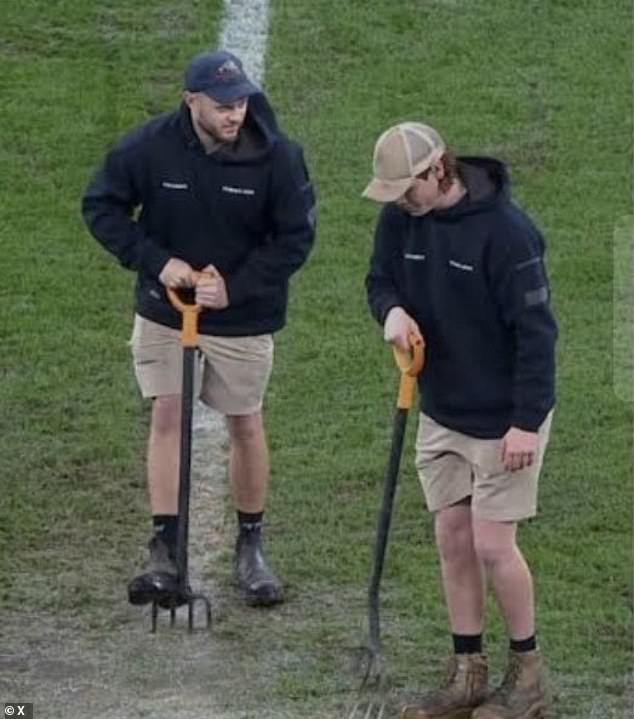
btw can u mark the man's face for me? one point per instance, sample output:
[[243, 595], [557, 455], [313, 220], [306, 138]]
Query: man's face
[[222, 121], [424, 192]]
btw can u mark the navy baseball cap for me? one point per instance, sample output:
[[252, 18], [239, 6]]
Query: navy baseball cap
[[219, 74]]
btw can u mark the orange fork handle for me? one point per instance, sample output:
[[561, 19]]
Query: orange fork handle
[[410, 364], [189, 328]]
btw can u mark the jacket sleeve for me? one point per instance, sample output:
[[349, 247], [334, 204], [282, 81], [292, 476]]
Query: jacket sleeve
[[108, 209], [522, 292], [292, 210], [382, 280]]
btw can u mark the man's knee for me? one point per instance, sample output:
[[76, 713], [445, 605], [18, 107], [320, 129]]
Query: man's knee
[[166, 414], [494, 542], [246, 428], [454, 535]]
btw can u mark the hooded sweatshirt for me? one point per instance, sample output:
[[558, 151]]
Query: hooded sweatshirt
[[473, 278], [246, 208]]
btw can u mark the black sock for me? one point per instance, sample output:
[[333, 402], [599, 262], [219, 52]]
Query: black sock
[[467, 643], [250, 521], [166, 526], [523, 645]]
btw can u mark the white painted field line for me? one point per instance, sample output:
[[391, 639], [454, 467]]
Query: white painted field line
[[245, 32]]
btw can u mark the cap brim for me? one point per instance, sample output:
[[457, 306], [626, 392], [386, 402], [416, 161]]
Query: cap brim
[[231, 93], [387, 190]]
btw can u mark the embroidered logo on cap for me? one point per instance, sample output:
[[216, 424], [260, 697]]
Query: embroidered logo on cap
[[228, 71]]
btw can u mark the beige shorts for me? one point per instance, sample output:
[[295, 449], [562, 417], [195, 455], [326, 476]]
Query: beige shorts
[[231, 376], [453, 466]]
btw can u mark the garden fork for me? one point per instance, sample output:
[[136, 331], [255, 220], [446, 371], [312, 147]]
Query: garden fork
[[189, 341], [371, 699]]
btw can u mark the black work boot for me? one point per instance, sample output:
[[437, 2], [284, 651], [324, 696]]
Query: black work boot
[[257, 583], [159, 580]]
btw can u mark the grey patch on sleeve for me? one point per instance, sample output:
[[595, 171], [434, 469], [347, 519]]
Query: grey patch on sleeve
[[528, 263], [311, 217], [536, 297]]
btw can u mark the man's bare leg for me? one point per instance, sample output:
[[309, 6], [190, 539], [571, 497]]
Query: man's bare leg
[[249, 476]]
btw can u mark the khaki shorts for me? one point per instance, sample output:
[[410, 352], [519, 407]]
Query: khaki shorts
[[231, 376], [453, 466]]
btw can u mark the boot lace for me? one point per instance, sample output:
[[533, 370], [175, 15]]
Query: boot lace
[[441, 693], [509, 682], [450, 673]]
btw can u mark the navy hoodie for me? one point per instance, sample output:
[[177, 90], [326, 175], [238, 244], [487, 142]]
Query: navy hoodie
[[473, 277], [247, 208]]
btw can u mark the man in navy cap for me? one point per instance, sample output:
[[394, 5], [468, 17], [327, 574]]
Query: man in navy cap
[[215, 187]]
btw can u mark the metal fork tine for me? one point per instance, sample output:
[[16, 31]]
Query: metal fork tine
[[356, 711], [367, 709], [371, 699]]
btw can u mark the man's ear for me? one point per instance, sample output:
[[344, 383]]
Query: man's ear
[[188, 97], [439, 170]]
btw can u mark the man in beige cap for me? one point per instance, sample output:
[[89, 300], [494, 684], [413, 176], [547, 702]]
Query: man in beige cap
[[457, 261]]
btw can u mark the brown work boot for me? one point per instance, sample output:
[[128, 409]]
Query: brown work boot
[[523, 694], [465, 688]]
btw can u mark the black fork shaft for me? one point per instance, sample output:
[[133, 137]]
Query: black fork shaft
[[187, 401], [383, 527]]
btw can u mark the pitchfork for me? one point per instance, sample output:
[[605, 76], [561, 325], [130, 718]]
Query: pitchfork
[[371, 699], [189, 340]]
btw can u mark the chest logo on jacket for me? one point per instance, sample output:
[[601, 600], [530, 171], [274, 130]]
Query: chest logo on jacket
[[174, 185], [238, 190], [461, 266]]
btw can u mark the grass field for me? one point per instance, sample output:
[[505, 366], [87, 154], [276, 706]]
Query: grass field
[[546, 87]]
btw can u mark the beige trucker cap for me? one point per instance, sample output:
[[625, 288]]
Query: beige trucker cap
[[401, 153]]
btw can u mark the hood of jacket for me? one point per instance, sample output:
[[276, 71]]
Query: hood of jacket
[[487, 183]]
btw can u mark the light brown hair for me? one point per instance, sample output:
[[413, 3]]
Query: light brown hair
[[452, 171]]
